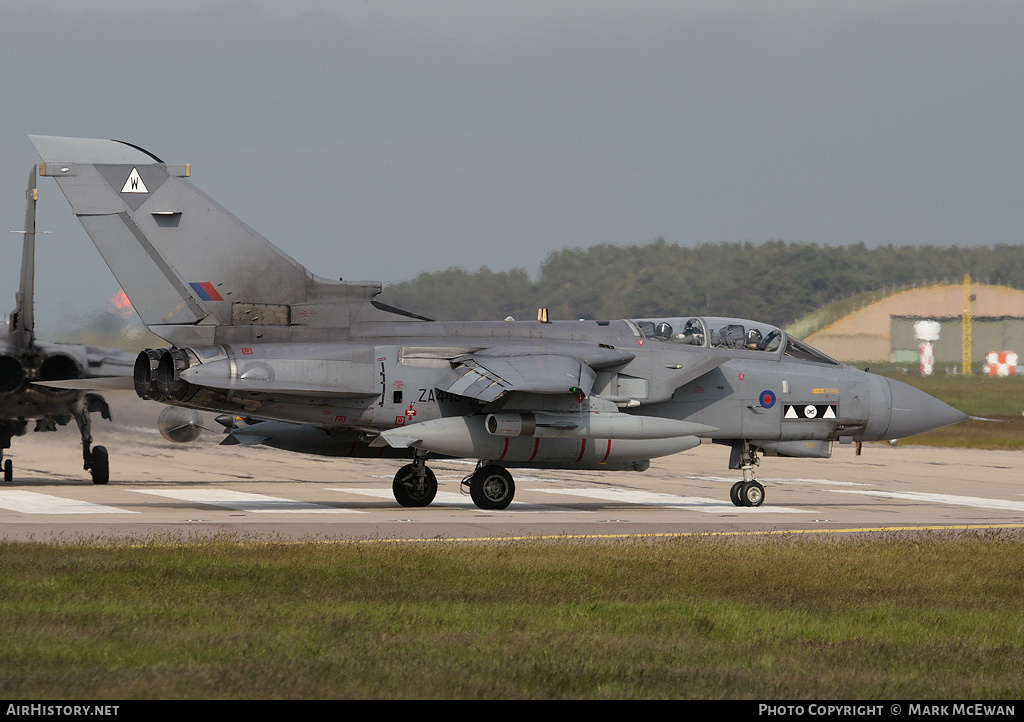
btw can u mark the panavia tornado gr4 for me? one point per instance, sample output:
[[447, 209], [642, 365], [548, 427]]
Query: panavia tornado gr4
[[26, 362], [326, 369]]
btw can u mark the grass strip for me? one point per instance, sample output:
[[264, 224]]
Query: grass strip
[[777, 617]]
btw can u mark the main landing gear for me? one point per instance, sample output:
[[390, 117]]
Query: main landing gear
[[96, 459], [490, 486], [747, 492], [415, 484], [98, 466], [8, 430]]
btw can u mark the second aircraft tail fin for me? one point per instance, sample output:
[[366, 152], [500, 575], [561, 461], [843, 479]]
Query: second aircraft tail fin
[[23, 323]]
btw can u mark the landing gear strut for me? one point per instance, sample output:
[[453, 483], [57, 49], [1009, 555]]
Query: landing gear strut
[[747, 492], [8, 430], [96, 460]]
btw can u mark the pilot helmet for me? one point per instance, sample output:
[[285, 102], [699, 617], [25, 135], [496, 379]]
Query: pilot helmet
[[664, 330], [694, 329]]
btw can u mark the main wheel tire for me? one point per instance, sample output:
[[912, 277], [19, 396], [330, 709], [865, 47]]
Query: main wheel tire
[[100, 465], [492, 487], [409, 492], [8, 470], [751, 494]]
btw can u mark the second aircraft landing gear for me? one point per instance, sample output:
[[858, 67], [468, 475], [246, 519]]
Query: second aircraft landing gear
[[100, 469], [747, 492], [8, 430], [96, 460]]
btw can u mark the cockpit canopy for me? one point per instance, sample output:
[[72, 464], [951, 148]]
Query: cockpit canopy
[[729, 333], [712, 332]]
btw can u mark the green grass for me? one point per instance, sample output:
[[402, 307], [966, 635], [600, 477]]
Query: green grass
[[694, 617], [977, 394]]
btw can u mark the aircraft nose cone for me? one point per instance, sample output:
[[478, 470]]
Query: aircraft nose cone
[[914, 412]]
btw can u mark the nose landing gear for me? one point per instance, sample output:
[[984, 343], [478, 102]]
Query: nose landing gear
[[747, 492]]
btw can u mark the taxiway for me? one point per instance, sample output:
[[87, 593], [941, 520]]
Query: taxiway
[[203, 489]]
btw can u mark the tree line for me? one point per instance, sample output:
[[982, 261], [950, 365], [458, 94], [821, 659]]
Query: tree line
[[777, 281]]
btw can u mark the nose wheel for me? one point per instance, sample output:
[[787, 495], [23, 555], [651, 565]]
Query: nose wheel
[[748, 492]]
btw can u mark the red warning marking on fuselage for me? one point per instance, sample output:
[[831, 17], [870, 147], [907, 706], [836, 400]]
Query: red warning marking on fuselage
[[583, 448]]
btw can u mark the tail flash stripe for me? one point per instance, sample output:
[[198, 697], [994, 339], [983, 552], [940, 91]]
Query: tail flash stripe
[[206, 291]]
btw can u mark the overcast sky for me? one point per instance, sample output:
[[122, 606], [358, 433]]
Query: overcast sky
[[375, 139]]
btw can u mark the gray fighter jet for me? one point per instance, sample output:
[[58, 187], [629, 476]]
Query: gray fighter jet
[[25, 361], [325, 368]]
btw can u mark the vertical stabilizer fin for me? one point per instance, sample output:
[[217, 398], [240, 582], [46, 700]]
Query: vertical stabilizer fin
[[23, 318], [181, 258]]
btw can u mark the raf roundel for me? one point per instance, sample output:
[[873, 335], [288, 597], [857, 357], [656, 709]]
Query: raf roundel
[[767, 399]]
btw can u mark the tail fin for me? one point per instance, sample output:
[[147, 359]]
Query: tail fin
[[23, 317], [193, 272]]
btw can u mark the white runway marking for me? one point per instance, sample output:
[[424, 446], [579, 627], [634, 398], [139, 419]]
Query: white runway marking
[[454, 499], [940, 499], [671, 501], [243, 501], [29, 502], [733, 480], [723, 479]]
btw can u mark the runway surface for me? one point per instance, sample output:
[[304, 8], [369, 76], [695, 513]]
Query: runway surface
[[203, 489]]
